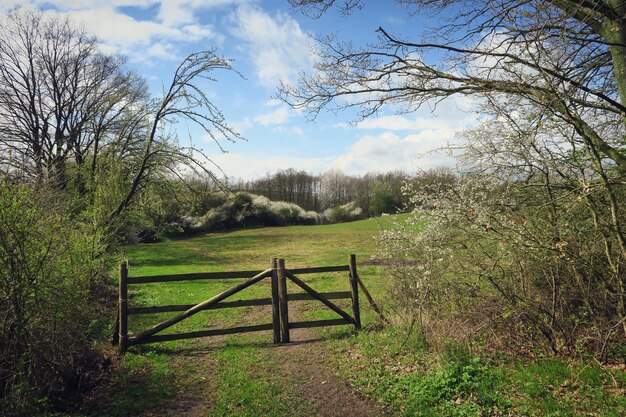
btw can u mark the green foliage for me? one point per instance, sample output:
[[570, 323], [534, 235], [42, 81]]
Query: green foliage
[[557, 388], [462, 386], [386, 199], [47, 274], [521, 261], [397, 368], [345, 213]]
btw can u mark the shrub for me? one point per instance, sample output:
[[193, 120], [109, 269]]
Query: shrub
[[386, 199], [496, 257], [345, 213], [463, 386], [245, 210], [47, 271]]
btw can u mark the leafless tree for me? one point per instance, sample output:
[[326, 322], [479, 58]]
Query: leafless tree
[[67, 107], [550, 77], [58, 95]]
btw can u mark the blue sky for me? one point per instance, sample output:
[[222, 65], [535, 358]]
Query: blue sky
[[268, 42]]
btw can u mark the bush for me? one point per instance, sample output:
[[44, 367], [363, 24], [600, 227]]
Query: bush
[[345, 213], [47, 275], [386, 199], [246, 210], [497, 257], [463, 386]]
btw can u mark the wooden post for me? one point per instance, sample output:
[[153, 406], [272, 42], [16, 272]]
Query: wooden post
[[123, 307], [275, 302], [282, 299], [354, 290]]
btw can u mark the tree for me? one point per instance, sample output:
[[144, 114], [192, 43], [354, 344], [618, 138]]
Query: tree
[[385, 199], [185, 99], [82, 147], [573, 69], [549, 78], [67, 108], [59, 96]]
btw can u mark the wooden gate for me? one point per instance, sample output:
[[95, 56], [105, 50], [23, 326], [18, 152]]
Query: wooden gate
[[279, 301]]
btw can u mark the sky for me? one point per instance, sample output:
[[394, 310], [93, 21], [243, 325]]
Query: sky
[[268, 41]]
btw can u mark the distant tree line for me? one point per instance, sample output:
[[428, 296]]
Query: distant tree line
[[286, 197], [373, 193]]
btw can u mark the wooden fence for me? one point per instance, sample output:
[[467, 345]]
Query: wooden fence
[[279, 300]]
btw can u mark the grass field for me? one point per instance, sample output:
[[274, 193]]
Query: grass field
[[239, 391], [236, 375], [251, 249]]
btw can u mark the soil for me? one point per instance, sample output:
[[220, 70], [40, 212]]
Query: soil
[[302, 365], [331, 395]]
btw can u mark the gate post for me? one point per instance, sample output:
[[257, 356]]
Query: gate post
[[354, 291], [123, 307], [282, 298], [275, 301]]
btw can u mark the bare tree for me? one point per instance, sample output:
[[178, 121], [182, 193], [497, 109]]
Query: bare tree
[[550, 77], [65, 106], [58, 94], [184, 98], [566, 57]]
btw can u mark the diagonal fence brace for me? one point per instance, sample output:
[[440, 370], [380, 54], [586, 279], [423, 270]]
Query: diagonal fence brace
[[320, 297], [199, 307]]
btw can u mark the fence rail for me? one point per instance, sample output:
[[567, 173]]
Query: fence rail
[[279, 300]]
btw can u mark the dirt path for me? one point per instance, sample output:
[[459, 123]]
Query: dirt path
[[197, 401], [302, 367], [305, 361]]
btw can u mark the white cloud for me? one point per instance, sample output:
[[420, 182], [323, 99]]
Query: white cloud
[[118, 28], [90, 4], [454, 113], [276, 117], [160, 51], [380, 153], [389, 152], [277, 46], [138, 39], [175, 12]]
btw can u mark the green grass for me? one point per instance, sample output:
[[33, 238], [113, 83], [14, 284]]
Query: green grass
[[250, 249], [248, 389], [557, 388], [391, 365], [396, 368], [241, 381]]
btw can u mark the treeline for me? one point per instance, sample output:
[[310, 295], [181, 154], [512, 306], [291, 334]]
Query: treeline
[[287, 197], [331, 189], [373, 193]]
